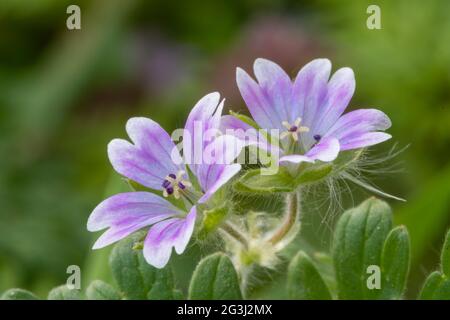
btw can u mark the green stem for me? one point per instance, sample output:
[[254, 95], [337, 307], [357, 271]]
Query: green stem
[[290, 218], [233, 232]]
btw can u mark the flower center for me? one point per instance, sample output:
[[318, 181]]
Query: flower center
[[293, 130], [175, 184]]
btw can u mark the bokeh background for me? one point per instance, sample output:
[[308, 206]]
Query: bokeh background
[[65, 94]]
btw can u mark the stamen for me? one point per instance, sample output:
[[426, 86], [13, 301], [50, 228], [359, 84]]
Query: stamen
[[317, 137], [173, 184], [293, 130]]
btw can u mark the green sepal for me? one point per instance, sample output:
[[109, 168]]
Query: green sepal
[[212, 219], [245, 119]]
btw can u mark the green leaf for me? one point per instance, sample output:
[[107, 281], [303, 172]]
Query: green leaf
[[358, 241], [445, 255], [215, 278], [134, 276], [212, 219], [64, 293], [437, 285], [395, 263], [253, 181], [100, 290], [18, 294], [304, 281], [163, 287]]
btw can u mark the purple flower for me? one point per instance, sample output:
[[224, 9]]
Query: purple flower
[[308, 112], [153, 161]]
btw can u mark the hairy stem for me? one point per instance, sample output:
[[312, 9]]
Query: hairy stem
[[233, 232], [290, 218]]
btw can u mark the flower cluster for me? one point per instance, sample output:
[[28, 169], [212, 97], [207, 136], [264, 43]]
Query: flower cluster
[[306, 122]]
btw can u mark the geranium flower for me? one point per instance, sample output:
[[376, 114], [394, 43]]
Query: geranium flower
[[308, 112], [153, 161]]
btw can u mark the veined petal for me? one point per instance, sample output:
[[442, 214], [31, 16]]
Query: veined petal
[[216, 176], [257, 103], [327, 149], [204, 116], [276, 85], [217, 169], [310, 89], [358, 121], [152, 156], [244, 132], [361, 140], [125, 213], [162, 237], [340, 90]]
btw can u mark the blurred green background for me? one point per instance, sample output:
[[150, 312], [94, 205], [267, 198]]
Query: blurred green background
[[64, 94]]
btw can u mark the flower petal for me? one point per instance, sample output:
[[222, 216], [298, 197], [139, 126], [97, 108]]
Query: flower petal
[[216, 168], [309, 90], [361, 140], [216, 176], [276, 85], [204, 116], [257, 103], [246, 133], [295, 158], [356, 123], [152, 156], [125, 213], [340, 90], [327, 149], [163, 236]]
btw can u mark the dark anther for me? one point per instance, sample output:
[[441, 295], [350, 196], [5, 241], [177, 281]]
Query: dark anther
[[317, 137], [169, 190]]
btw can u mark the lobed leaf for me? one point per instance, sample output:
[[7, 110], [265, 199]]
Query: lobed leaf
[[18, 294], [395, 262], [304, 280], [215, 278], [100, 290], [358, 242], [64, 293]]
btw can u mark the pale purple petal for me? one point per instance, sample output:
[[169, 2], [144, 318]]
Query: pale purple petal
[[340, 90], [217, 169], [163, 236], [327, 149], [215, 176], [202, 120], [364, 140], [125, 213], [358, 122], [276, 85], [245, 132], [265, 115], [295, 158], [310, 89], [152, 156]]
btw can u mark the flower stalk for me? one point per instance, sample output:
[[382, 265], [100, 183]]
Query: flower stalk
[[234, 233], [292, 212]]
